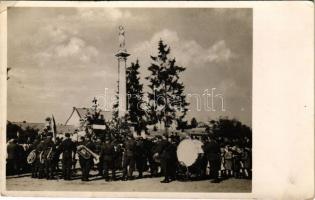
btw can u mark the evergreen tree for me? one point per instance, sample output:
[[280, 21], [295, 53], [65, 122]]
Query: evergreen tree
[[167, 98], [135, 113]]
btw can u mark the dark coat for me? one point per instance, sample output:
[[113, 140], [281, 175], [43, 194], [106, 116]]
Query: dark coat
[[67, 147], [12, 150], [107, 151], [130, 146], [139, 149], [212, 150]]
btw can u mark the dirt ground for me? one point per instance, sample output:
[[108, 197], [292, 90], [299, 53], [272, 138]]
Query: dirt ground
[[97, 184]]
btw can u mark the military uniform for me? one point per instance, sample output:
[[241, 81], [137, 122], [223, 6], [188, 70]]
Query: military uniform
[[107, 153], [98, 146], [86, 164], [12, 151], [129, 159], [167, 152], [39, 162], [49, 163], [67, 147], [212, 153], [33, 165], [140, 156]]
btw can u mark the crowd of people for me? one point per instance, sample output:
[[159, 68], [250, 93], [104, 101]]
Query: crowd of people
[[129, 155]]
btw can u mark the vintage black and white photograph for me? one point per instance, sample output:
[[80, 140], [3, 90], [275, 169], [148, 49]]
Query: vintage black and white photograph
[[114, 99]]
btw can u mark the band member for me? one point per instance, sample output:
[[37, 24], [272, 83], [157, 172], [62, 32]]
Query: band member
[[49, 150], [118, 153], [67, 147], [140, 156], [107, 153], [98, 146], [153, 156], [129, 159], [33, 165], [167, 151], [86, 164], [39, 159], [12, 151], [212, 152]]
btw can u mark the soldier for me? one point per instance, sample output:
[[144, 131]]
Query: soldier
[[118, 153], [129, 160], [140, 156], [212, 152], [167, 152], [86, 164], [33, 165], [39, 163], [49, 150], [67, 147], [98, 146], [12, 151], [107, 153]]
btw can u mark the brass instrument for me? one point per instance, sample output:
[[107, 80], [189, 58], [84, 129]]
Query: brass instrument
[[45, 155], [49, 154], [31, 157], [86, 153], [41, 159]]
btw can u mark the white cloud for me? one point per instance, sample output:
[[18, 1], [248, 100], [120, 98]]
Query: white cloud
[[108, 14], [186, 52], [74, 48], [219, 52]]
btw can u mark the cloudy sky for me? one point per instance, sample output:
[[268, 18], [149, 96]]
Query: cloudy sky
[[63, 57]]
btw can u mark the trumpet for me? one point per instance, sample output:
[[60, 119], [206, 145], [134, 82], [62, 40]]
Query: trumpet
[[86, 153]]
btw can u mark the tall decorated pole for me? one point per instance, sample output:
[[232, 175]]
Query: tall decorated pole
[[122, 62]]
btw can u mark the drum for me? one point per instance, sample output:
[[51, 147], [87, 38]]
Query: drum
[[188, 151]]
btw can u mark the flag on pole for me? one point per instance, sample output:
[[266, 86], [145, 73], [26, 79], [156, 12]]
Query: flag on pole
[[53, 127]]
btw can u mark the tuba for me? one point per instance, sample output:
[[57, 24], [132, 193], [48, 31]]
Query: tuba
[[86, 153], [31, 157]]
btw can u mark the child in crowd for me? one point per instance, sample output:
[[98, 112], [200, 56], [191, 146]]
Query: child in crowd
[[228, 161]]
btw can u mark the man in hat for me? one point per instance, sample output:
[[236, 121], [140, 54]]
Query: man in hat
[[67, 147], [140, 156], [86, 164], [39, 162], [33, 165], [212, 152], [98, 147], [129, 159], [12, 152], [106, 155], [165, 154], [49, 150]]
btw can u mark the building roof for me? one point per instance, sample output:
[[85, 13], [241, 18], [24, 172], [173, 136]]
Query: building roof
[[84, 111], [61, 128]]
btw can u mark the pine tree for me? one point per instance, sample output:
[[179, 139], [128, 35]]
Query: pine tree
[[135, 113], [167, 99]]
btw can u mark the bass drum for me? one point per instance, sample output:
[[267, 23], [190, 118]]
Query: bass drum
[[189, 151]]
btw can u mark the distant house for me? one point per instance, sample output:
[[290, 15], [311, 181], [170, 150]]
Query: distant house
[[61, 129], [79, 113]]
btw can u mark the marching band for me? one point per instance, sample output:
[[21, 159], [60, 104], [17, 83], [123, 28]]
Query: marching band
[[118, 156]]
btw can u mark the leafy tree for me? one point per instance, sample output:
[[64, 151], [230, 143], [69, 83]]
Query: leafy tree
[[135, 98], [230, 128], [12, 130], [193, 123], [167, 100]]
